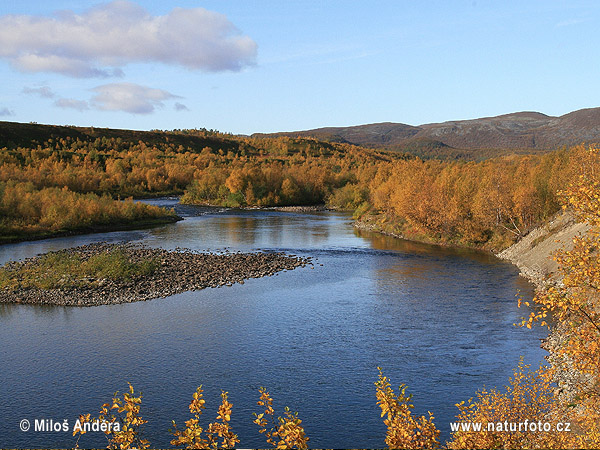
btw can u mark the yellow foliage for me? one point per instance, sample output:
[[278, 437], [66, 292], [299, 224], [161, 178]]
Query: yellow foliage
[[574, 302], [403, 429], [125, 427], [191, 435], [285, 432], [505, 417]]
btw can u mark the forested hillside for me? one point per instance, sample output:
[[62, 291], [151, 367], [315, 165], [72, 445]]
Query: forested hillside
[[71, 181], [485, 204]]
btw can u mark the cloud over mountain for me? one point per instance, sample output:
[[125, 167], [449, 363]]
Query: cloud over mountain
[[102, 40]]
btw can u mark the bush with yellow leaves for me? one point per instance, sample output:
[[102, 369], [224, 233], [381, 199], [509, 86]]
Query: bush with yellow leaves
[[285, 432], [403, 429], [191, 436], [124, 428], [574, 302], [512, 418]]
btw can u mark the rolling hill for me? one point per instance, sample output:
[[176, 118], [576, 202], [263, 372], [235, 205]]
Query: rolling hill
[[521, 131], [31, 134]]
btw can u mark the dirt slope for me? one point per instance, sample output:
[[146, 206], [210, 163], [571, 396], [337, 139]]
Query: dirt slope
[[533, 254]]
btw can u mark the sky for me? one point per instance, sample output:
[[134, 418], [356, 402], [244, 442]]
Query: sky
[[270, 65]]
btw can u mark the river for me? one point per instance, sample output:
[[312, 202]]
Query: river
[[439, 320]]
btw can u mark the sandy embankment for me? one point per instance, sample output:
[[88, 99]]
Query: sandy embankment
[[533, 255]]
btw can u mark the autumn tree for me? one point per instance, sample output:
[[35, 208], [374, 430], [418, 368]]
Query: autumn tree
[[573, 303]]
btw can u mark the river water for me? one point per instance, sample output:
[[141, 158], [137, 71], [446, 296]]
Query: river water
[[438, 320]]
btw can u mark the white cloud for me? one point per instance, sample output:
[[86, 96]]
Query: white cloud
[[100, 41], [129, 97], [71, 103], [181, 107], [6, 112], [42, 91]]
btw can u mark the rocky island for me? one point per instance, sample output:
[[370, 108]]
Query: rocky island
[[103, 274]]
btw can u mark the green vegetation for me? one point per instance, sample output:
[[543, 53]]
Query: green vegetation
[[67, 268]]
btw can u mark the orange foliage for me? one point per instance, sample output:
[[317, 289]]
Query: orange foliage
[[489, 203], [27, 210]]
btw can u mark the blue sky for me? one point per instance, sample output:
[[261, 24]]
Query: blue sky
[[263, 66]]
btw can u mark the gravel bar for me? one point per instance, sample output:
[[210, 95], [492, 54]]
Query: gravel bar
[[178, 271]]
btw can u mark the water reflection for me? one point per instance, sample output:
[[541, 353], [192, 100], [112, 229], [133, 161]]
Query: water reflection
[[247, 229], [383, 242]]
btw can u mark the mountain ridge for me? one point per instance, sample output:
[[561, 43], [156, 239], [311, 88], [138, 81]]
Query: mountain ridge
[[518, 130]]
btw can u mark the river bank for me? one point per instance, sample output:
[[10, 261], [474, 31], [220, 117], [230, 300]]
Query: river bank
[[288, 208], [533, 255], [176, 271], [392, 226], [301, 208], [91, 229]]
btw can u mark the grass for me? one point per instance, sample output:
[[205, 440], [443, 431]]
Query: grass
[[70, 269]]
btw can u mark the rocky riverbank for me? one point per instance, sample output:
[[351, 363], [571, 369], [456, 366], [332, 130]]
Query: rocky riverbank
[[533, 255], [370, 226], [305, 208], [176, 271]]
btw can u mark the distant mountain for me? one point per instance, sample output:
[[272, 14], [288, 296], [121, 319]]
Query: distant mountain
[[517, 131]]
